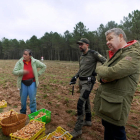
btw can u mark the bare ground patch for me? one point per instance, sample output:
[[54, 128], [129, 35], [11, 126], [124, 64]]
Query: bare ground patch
[[54, 94]]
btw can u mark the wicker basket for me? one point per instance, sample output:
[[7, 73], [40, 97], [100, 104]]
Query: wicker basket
[[13, 123]]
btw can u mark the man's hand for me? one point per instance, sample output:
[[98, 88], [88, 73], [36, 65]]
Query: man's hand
[[25, 72], [106, 81], [73, 80]]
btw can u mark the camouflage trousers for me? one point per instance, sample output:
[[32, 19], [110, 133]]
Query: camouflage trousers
[[83, 105]]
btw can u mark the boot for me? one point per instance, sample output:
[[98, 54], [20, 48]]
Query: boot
[[87, 123], [75, 133]]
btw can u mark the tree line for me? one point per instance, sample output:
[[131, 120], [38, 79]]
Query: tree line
[[54, 46]]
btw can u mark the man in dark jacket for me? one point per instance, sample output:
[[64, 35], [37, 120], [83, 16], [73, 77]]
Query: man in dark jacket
[[86, 74], [119, 77]]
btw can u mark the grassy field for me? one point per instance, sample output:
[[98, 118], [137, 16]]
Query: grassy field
[[54, 94]]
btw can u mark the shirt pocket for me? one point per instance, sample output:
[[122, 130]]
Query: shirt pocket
[[111, 105]]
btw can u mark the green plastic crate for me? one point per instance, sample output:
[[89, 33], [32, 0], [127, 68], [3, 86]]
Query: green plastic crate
[[46, 118]]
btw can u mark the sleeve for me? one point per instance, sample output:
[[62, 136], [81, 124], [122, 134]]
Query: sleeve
[[77, 74], [42, 67], [126, 66], [100, 58], [17, 71]]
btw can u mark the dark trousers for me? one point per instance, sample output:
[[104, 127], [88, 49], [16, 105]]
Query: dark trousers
[[83, 105], [113, 132]]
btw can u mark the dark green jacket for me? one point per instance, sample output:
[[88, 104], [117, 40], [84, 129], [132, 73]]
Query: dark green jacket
[[113, 100], [88, 63]]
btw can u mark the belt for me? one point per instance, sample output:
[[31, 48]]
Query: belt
[[84, 78], [90, 79]]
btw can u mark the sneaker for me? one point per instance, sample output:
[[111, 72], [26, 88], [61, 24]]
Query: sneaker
[[87, 123], [76, 133]]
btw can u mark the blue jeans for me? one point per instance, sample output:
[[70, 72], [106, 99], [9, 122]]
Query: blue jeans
[[113, 132], [24, 92]]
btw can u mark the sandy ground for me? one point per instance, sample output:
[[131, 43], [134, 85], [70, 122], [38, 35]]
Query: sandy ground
[[54, 94]]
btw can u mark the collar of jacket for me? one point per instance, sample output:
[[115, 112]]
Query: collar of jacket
[[86, 52], [32, 60], [129, 44], [135, 46]]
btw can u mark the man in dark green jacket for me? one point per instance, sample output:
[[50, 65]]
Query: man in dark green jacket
[[86, 74], [119, 77]]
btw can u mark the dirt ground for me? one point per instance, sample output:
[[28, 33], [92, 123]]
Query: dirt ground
[[54, 94]]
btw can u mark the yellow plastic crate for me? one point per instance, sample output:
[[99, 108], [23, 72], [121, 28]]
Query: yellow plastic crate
[[60, 130], [5, 104], [40, 136], [35, 137], [7, 111]]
